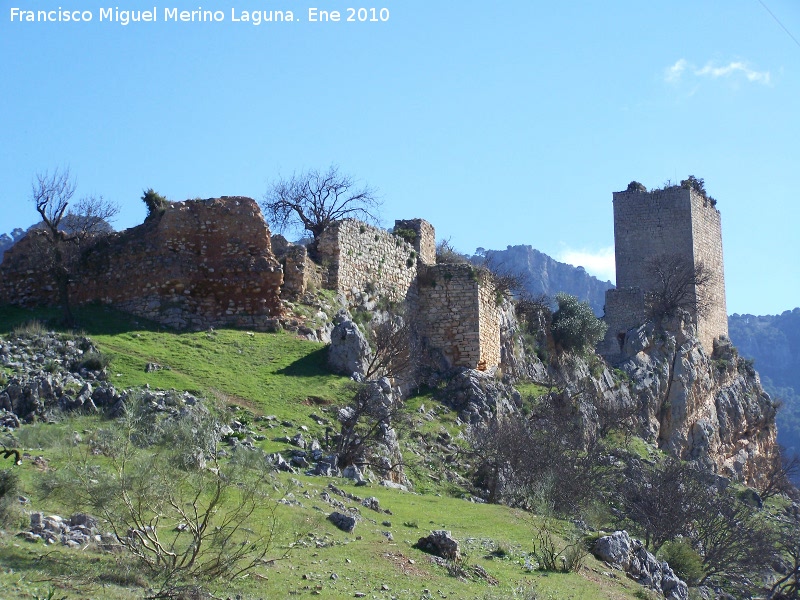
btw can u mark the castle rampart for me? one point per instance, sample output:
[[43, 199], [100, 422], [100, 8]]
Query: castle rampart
[[200, 263], [359, 257], [458, 307], [206, 263]]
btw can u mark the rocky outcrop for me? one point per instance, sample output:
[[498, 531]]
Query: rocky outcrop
[[349, 351], [699, 407], [478, 396], [630, 555]]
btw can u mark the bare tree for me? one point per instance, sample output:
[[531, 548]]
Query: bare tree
[[787, 585], [783, 467], [678, 284], [367, 425], [64, 231], [314, 199], [396, 349]]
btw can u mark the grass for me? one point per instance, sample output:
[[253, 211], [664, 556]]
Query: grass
[[285, 376]]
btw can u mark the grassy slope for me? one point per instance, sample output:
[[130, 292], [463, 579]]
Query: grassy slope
[[278, 374]]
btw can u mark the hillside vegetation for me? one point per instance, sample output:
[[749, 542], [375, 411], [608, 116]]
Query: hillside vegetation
[[187, 465], [251, 378]]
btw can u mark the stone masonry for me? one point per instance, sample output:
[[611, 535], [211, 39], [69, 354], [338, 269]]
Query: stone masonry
[[649, 226], [359, 257], [460, 316], [205, 263], [200, 263], [455, 304]]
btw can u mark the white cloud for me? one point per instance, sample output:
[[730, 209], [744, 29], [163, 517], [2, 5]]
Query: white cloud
[[599, 263], [675, 73], [732, 69]]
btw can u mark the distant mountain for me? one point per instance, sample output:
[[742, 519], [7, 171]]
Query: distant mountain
[[544, 275], [8, 240], [773, 341]]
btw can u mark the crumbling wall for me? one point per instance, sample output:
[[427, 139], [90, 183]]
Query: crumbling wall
[[624, 310], [459, 314], [300, 273], [359, 257], [201, 263], [423, 238]]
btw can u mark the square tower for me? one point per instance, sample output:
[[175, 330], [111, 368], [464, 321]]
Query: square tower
[[669, 226]]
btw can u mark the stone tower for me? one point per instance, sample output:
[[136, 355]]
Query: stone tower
[[674, 223]]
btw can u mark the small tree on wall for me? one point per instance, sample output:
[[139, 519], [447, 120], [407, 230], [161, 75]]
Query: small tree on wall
[[313, 200], [679, 284], [57, 250]]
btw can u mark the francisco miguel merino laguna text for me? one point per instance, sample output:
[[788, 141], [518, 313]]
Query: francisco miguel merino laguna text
[[124, 17]]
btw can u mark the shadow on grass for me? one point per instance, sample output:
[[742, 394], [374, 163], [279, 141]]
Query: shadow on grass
[[311, 365], [92, 319]]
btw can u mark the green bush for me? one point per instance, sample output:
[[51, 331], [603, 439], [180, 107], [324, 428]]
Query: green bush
[[684, 560], [93, 361], [155, 202], [574, 325]]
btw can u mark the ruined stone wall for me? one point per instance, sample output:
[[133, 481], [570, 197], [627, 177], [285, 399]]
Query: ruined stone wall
[[459, 314], [360, 257], [707, 236], [199, 264], [300, 273], [624, 310], [649, 226], [424, 239]]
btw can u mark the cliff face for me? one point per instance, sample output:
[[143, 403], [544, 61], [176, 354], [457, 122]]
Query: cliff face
[[699, 407], [544, 275]]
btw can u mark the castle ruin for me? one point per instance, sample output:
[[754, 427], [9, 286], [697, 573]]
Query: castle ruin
[[213, 263], [672, 224]]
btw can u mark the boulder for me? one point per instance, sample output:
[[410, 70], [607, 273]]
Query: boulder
[[439, 543], [349, 350], [623, 552], [344, 522]]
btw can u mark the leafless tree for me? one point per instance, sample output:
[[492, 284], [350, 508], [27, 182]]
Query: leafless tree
[[313, 200], [366, 424], [678, 284], [395, 349], [787, 586], [64, 230], [783, 467], [537, 462], [661, 500]]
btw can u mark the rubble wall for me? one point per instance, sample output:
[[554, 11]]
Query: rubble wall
[[201, 263]]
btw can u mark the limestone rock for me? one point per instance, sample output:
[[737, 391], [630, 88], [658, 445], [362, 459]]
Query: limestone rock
[[349, 350], [439, 543], [630, 555], [344, 522]]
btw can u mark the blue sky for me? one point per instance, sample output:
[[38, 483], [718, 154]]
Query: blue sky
[[501, 123]]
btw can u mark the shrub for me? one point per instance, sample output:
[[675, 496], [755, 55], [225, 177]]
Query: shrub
[[155, 202], [161, 473], [684, 560], [93, 361], [574, 325]]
